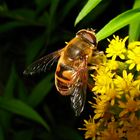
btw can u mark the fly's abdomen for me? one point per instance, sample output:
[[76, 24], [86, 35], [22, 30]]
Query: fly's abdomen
[[64, 78]]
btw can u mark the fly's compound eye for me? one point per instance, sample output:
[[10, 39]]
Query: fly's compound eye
[[88, 35]]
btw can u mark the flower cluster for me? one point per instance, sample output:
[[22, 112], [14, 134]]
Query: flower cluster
[[116, 93]]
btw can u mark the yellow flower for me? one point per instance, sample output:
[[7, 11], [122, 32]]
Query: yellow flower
[[135, 90], [101, 107], [137, 82], [103, 80], [133, 45], [116, 93], [112, 64], [110, 133], [124, 83], [134, 56], [116, 48], [112, 94], [90, 128], [132, 128], [133, 135], [130, 106]]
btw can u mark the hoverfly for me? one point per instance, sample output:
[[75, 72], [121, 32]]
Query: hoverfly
[[71, 75]]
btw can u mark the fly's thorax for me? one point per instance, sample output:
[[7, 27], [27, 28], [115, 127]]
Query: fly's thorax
[[77, 49]]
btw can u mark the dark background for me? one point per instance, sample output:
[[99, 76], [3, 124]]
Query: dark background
[[30, 30]]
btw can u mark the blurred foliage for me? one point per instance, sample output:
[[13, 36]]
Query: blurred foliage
[[30, 107]]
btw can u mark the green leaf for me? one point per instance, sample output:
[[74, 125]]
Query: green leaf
[[118, 22], [19, 14], [40, 91], [34, 47], [1, 133], [22, 14], [24, 134], [20, 108], [41, 4], [134, 27], [49, 115], [3, 7], [68, 133], [53, 8], [66, 9], [9, 89], [11, 25], [86, 9], [95, 14], [44, 19], [47, 136], [22, 90], [51, 22], [5, 118]]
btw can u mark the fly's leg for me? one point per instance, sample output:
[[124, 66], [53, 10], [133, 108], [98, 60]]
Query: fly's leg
[[98, 58]]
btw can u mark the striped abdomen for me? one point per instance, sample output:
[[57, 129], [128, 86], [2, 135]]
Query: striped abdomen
[[64, 79]]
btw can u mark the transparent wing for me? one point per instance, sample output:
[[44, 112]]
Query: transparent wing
[[41, 64], [78, 95]]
